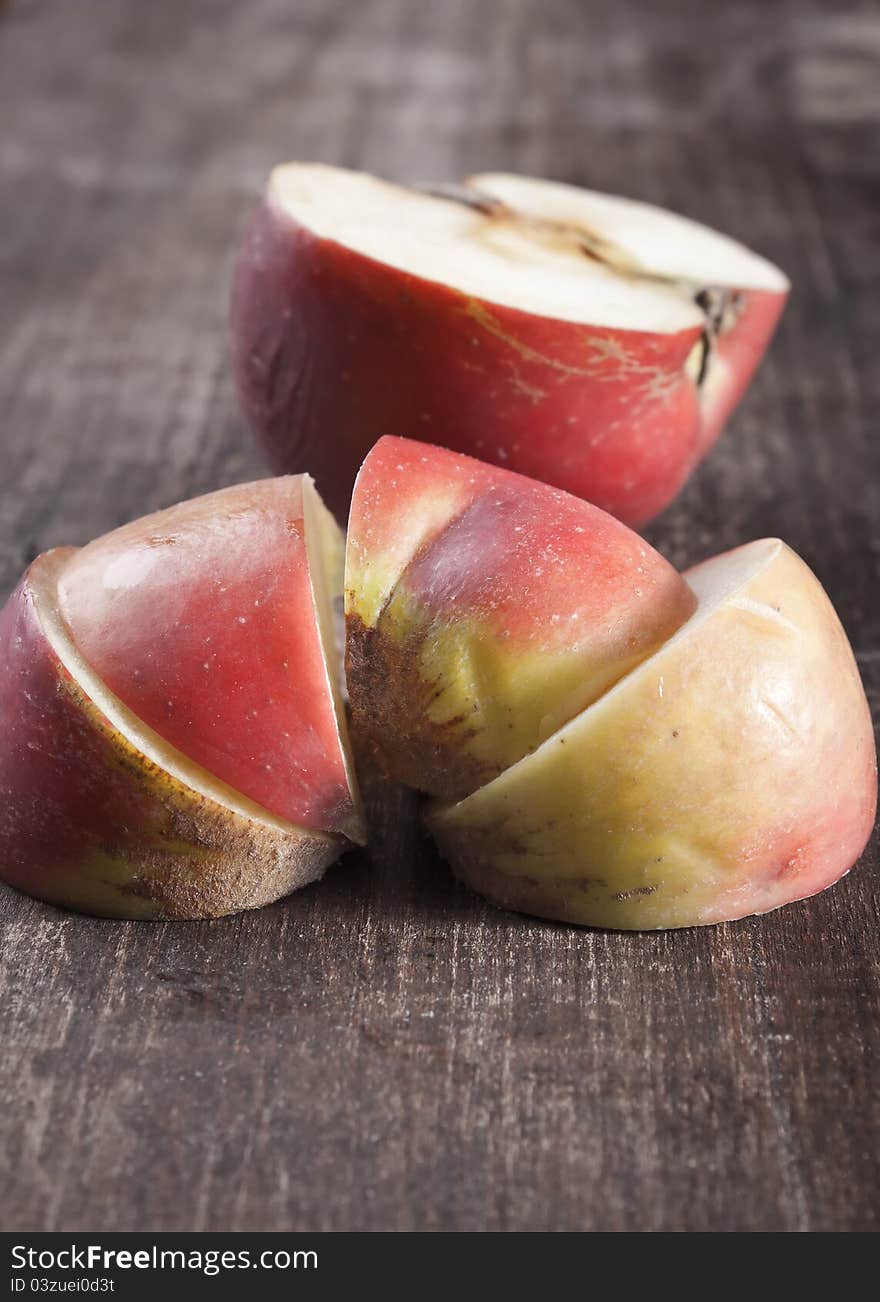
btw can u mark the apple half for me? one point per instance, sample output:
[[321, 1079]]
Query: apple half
[[591, 342], [719, 760], [174, 742]]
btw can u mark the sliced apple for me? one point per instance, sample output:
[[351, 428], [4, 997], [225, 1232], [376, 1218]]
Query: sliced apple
[[588, 341], [732, 772], [204, 619], [484, 610], [212, 620]]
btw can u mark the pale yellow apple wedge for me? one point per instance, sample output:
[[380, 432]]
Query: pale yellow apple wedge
[[732, 772]]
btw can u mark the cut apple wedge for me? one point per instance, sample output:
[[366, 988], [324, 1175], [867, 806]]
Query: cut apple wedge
[[204, 619], [174, 741], [730, 773], [591, 342], [484, 610]]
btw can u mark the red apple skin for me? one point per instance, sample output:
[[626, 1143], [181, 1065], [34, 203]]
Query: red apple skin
[[201, 619], [332, 349], [484, 610], [88, 822]]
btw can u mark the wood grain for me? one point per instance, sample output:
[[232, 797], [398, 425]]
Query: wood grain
[[384, 1051]]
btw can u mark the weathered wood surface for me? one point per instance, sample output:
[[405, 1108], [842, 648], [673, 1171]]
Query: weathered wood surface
[[384, 1051]]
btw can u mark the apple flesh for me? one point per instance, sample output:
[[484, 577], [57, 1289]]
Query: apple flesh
[[590, 342], [102, 812], [732, 772], [484, 610]]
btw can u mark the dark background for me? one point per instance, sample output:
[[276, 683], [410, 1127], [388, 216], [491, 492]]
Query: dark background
[[383, 1051]]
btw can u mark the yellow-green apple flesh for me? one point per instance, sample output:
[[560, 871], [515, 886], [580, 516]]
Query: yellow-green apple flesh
[[732, 772], [102, 812], [591, 342], [484, 610]]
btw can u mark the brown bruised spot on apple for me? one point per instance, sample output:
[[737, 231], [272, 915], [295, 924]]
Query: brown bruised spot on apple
[[591, 342], [607, 742], [173, 740]]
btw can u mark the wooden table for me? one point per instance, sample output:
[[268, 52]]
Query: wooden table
[[384, 1051]]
